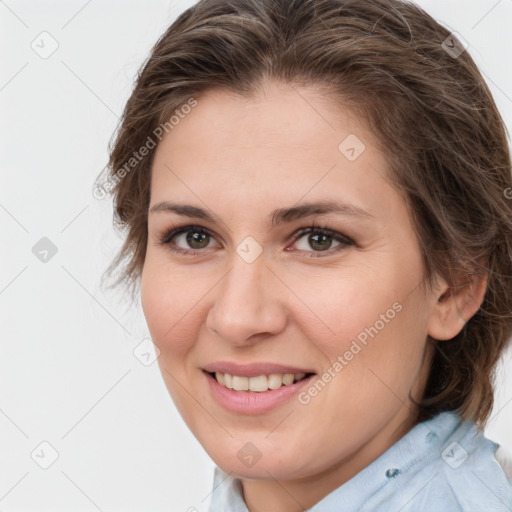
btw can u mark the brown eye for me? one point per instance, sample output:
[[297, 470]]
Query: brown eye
[[320, 242], [188, 239], [315, 240], [197, 240]]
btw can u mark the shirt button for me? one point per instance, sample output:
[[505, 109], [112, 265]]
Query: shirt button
[[431, 437], [392, 472]]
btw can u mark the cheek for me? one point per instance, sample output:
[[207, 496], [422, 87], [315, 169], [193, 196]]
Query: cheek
[[342, 306], [173, 322], [374, 318], [171, 305]]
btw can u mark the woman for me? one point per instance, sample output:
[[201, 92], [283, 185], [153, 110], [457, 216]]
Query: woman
[[315, 197]]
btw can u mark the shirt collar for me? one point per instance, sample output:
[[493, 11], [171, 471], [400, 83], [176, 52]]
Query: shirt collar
[[417, 445]]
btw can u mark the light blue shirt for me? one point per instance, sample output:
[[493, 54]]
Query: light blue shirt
[[440, 465]]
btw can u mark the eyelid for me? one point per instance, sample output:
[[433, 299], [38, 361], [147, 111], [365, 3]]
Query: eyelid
[[166, 237], [314, 228], [169, 234], [343, 240]]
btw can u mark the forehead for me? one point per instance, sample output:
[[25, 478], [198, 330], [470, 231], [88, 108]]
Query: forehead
[[279, 146], [276, 115]]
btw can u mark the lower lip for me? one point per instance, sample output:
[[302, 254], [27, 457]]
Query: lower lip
[[252, 402]]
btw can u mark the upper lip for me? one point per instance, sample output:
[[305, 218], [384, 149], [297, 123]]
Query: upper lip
[[252, 369]]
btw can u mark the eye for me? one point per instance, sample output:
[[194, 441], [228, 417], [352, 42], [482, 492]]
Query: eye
[[188, 239], [320, 240], [193, 240]]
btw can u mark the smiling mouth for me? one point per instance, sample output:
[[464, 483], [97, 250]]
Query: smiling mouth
[[260, 383]]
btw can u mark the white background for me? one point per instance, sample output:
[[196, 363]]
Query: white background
[[68, 375]]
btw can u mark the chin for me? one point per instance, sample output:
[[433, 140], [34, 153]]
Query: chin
[[272, 466]]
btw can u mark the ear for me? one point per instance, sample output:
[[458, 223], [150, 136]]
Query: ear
[[455, 306]]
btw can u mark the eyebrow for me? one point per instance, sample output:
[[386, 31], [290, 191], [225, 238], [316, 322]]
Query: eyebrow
[[278, 216]]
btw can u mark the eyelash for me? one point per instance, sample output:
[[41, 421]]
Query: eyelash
[[344, 241]]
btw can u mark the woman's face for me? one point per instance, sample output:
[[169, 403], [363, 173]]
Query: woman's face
[[296, 256]]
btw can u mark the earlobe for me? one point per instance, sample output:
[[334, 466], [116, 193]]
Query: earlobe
[[455, 306]]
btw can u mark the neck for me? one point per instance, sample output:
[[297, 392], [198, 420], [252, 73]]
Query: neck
[[270, 495]]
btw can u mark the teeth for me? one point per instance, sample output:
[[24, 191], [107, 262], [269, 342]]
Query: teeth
[[288, 379], [260, 383], [275, 380], [240, 383]]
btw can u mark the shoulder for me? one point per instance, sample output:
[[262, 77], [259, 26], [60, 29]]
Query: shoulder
[[504, 457], [465, 474]]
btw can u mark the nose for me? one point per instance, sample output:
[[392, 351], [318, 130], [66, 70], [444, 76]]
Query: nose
[[246, 304]]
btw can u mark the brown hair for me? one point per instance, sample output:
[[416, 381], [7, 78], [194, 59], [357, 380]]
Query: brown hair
[[428, 106]]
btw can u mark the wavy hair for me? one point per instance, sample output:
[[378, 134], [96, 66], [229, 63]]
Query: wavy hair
[[420, 94]]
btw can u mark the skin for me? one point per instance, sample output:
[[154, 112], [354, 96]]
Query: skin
[[240, 159]]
